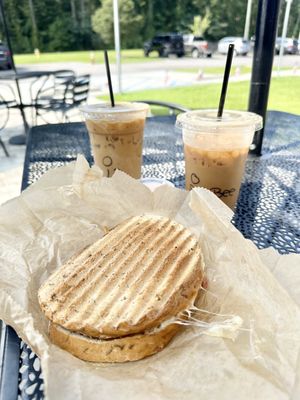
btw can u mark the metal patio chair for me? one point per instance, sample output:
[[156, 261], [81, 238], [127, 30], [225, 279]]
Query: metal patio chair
[[4, 115], [5, 106], [173, 108], [67, 93]]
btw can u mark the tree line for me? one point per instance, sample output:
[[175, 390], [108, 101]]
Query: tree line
[[61, 25]]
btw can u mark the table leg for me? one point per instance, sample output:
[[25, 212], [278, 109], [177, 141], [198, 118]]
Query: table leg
[[10, 366], [4, 147], [20, 139]]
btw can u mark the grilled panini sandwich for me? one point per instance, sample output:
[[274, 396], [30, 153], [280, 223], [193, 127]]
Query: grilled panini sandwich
[[118, 299]]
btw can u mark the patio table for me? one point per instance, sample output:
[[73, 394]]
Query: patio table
[[267, 212]]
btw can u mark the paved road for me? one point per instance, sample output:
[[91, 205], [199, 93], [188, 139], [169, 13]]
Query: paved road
[[159, 73], [171, 63]]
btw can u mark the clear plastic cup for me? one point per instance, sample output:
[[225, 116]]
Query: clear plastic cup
[[116, 136], [216, 149]]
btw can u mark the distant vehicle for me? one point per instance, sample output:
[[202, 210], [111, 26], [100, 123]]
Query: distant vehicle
[[5, 58], [241, 46], [165, 44], [196, 46], [290, 46]]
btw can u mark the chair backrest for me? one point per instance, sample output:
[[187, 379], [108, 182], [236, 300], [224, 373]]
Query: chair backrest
[[62, 80], [54, 88], [4, 112], [78, 90], [172, 108], [67, 92], [63, 75]]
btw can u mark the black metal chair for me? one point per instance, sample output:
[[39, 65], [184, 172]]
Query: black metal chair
[[77, 93], [4, 115], [173, 108], [67, 93], [5, 106]]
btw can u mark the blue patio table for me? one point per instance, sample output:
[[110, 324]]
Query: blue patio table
[[267, 212]]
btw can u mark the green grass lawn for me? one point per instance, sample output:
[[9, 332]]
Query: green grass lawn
[[284, 95], [128, 56]]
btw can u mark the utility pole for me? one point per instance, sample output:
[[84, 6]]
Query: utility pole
[[284, 31], [117, 43], [248, 19]]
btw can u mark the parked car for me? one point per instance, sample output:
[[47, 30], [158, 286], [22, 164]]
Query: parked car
[[196, 46], [165, 44], [290, 46], [5, 58], [241, 46]]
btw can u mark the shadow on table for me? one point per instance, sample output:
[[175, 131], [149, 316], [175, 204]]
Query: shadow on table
[[269, 203]]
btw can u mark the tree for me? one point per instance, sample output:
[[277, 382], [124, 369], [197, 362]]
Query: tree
[[73, 13], [201, 24], [61, 34], [148, 20], [12, 20], [227, 17], [130, 23], [67, 25], [38, 23]]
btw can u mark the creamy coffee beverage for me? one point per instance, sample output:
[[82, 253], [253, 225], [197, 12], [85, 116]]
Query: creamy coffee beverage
[[219, 171], [216, 149], [117, 145], [116, 136]]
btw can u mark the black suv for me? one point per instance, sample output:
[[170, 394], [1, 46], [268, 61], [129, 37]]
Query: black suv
[[165, 44], [5, 59]]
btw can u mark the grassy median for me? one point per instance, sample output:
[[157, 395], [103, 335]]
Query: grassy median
[[128, 56], [284, 95]]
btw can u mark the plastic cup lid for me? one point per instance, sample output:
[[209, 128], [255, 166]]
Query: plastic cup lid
[[207, 120], [120, 107]]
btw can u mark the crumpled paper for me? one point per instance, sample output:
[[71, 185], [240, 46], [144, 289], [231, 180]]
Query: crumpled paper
[[69, 208]]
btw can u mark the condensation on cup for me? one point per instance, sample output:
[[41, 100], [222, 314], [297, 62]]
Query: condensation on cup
[[215, 150], [116, 136]]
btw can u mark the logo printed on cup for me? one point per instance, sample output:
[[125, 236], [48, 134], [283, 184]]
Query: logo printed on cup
[[195, 179], [107, 161], [225, 193]]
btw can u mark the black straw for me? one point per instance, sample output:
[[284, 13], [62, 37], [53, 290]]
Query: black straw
[[225, 80], [111, 93]]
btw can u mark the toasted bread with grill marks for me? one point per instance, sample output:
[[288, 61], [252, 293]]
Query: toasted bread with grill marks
[[144, 271]]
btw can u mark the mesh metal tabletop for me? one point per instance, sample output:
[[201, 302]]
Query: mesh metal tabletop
[[267, 212]]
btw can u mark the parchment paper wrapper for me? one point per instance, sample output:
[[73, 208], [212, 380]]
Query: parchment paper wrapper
[[249, 346]]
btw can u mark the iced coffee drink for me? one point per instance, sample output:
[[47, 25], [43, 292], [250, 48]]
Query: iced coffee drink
[[216, 149], [116, 136]]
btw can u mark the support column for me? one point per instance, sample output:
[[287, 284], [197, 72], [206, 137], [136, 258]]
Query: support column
[[265, 37]]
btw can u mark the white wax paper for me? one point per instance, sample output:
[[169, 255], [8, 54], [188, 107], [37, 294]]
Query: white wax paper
[[254, 356]]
